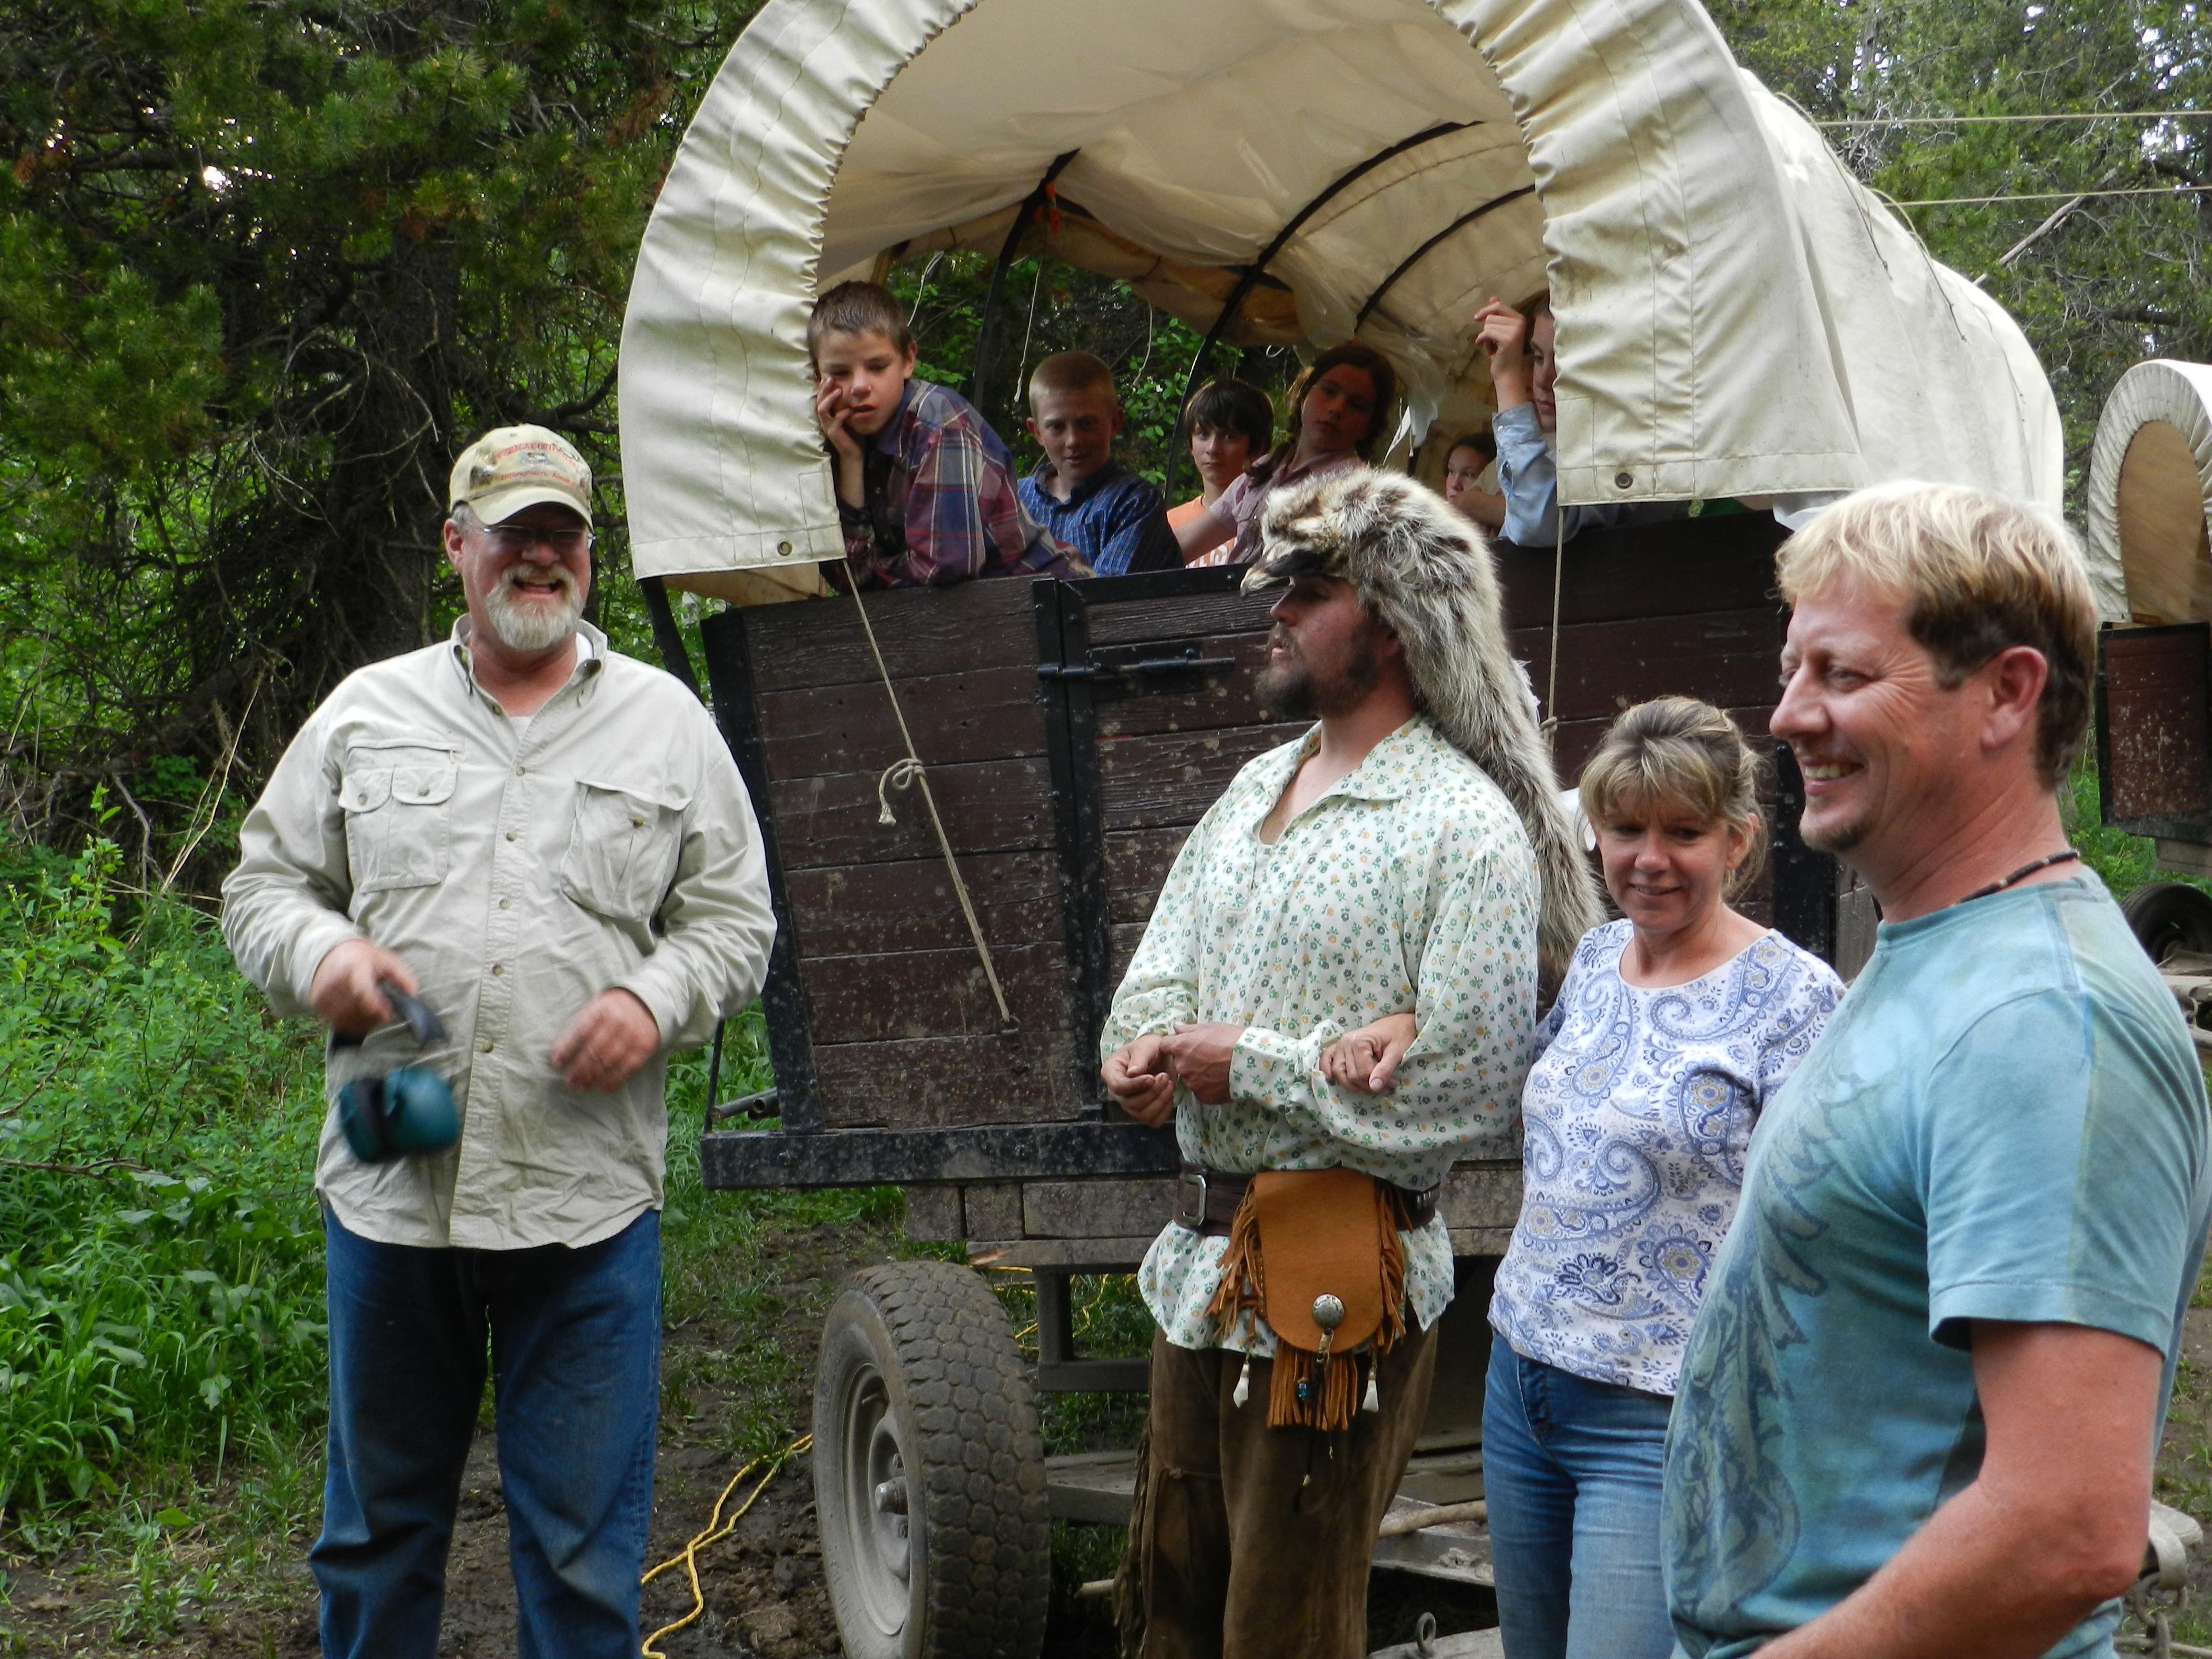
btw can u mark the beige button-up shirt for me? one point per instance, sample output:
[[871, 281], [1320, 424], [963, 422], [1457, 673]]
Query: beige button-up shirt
[[519, 868]]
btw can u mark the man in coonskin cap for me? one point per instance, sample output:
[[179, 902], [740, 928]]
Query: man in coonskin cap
[[1363, 910], [548, 844]]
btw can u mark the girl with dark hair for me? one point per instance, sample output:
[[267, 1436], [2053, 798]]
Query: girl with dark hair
[[1230, 425], [1337, 411]]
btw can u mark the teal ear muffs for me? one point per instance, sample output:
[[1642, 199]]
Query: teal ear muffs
[[399, 1113]]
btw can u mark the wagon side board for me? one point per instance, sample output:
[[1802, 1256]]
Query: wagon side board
[[2153, 734], [1073, 732]]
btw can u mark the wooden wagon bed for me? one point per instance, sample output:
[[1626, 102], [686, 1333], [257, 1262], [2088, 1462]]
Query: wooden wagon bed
[[1073, 732]]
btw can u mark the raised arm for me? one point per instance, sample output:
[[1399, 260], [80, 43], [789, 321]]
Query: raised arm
[[1194, 536], [1528, 477]]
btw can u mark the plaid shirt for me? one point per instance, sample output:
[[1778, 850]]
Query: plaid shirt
[[939, 502], [1113, 518]]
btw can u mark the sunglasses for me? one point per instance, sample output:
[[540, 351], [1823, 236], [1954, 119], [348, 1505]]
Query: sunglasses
[[512, 540]]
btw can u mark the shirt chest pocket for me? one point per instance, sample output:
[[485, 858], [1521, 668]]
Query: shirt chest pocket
[[398, 802], [621, 852]]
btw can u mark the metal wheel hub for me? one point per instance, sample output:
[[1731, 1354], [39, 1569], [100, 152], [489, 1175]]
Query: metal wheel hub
[[877, 1535]]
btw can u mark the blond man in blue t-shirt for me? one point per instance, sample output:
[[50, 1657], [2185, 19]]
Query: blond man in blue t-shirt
[[1917, 1413]]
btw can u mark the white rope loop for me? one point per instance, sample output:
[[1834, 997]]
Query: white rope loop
[[899, 775], [908, 772]]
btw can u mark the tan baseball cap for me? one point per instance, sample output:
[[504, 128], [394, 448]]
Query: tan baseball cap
[[511, 467]]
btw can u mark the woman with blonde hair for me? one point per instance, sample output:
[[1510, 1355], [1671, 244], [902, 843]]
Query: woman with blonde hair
[[1675, 1025]]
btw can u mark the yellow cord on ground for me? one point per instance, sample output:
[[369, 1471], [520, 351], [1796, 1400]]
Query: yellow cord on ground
[[716, 1529]]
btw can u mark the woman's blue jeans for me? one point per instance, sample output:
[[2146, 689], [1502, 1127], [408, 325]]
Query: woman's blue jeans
[[1570, 1468], [575, 1338]]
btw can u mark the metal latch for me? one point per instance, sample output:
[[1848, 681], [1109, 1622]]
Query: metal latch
[[1110, 665]]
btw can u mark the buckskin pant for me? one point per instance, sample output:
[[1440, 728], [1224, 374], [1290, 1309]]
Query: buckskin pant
[[1249, 1543]]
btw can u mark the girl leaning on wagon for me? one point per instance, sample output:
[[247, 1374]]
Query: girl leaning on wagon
[[1675, 1025]]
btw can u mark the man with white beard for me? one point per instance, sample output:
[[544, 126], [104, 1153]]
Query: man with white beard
[[549, 844]]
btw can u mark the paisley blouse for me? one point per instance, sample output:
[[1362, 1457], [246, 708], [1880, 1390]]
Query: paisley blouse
[[1634, 1121]]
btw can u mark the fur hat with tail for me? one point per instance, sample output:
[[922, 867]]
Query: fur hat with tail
[[1427, 574]]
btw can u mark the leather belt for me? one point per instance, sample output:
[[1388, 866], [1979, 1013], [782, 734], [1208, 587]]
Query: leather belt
[[1206, 1199]]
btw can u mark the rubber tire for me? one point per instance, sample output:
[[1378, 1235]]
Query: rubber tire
[[919, 1355], [2169, 915]]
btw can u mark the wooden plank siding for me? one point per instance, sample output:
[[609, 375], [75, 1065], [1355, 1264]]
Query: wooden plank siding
[[1685, 569], [975, 627], [988, 807], [948, 1082], [854, 909], [898, 995], [1168, 780], [904, 1031], [1726, 657], [986, 715]]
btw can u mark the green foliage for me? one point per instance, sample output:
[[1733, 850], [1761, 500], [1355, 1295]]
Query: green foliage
[[2115, 279], [161, 1289], [2123, 860], [263, 268]]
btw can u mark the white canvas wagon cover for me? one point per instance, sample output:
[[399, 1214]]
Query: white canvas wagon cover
[[2150, 495], [1737, 316]]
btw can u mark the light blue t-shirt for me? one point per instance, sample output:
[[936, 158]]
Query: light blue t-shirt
[[2005, 1120]]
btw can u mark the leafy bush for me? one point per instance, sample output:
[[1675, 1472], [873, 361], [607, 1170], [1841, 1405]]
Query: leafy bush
[[161, 1283]]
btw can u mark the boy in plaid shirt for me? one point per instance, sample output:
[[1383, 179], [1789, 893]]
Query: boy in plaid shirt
[[924, 488]]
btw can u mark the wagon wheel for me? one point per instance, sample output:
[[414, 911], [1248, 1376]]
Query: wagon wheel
[[929, 1470], [2167, 916]]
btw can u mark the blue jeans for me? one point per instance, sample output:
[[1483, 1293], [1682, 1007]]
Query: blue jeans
[[575, 1352], [1570, 1468]]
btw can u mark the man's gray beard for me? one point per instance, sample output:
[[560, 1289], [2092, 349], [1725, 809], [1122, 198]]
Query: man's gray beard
[[532, 627]]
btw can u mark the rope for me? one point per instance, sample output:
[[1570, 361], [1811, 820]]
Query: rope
[[1550, 724], [1992, 120], [910, 773], [715, 1530], [2055, 195]]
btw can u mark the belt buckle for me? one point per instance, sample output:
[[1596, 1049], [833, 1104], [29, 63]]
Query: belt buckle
[[1191, 1199]]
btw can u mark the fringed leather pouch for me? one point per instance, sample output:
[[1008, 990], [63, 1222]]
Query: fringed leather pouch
[[1315, 1253]]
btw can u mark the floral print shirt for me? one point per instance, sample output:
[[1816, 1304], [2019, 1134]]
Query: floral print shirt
[[1636, 1117], [1408, 886]]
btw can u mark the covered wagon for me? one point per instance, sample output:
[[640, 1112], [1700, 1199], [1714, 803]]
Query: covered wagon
[[2150, 507], [1739, 322]]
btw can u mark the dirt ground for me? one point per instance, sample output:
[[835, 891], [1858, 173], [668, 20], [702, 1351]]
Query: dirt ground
[[763, 1591], [762, 1585]]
